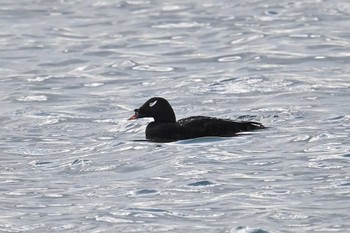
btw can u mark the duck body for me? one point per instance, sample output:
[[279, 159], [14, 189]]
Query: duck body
[[166, 128]]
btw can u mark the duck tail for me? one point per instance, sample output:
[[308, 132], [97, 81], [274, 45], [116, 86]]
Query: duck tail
[[251, 125]]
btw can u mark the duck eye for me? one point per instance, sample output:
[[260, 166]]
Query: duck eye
[[151, 104]]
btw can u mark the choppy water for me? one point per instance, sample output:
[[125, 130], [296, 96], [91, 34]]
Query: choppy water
[[73, 71]]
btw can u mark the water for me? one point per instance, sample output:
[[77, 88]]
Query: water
[[73, 71]]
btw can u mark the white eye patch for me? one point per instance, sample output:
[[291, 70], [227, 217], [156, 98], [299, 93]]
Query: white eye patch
[[151, 104]]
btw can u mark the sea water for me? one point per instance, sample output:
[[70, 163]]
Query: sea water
[[73, 71]]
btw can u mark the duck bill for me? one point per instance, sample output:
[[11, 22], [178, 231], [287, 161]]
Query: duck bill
[[133, 117]]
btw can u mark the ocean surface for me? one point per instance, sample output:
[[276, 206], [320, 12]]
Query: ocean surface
[[72, 72]]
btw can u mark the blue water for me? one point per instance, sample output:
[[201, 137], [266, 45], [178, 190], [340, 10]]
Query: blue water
[[73, 71]]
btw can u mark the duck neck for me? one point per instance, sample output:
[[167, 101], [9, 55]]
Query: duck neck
[[167, 116]]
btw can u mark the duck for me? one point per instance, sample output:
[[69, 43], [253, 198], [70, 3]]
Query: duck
[[166, 128]]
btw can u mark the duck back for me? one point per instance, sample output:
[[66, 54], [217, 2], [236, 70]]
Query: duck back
[[198, 126]]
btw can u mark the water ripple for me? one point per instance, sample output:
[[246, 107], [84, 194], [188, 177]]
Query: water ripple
[[153, 68], [201, 183], [180, 25], [32, 98]]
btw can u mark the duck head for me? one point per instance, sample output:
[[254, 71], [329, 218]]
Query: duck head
[[158, 108]]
